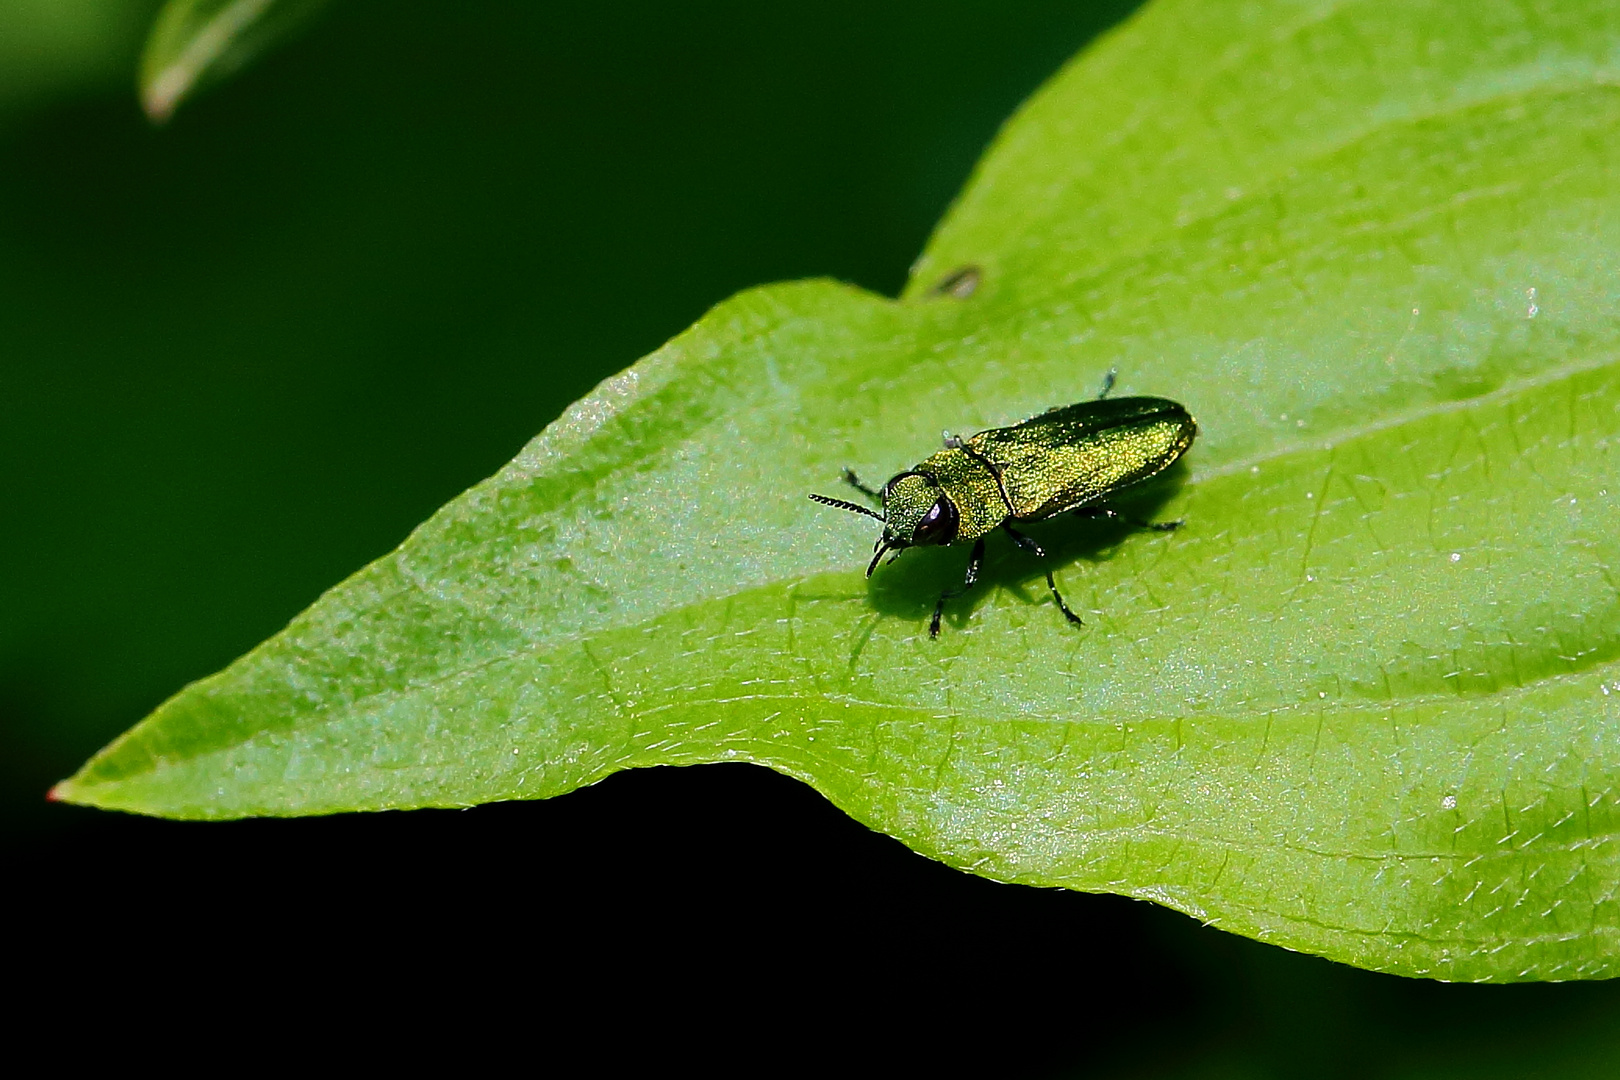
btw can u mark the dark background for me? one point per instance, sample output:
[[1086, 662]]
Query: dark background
[[242, 355]]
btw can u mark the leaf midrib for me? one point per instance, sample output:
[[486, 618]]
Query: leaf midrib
[[1341, 435]]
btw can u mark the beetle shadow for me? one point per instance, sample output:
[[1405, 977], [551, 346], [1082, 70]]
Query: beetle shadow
[[909, 588]]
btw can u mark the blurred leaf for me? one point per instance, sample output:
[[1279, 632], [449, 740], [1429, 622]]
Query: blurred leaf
[[52, 47], [1364, 704], [194, 42]]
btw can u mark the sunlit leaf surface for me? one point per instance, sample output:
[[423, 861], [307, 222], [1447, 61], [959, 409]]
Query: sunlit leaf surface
[[1366, 703]]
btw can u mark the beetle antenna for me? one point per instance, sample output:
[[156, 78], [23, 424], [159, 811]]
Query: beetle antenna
[[854, 508]]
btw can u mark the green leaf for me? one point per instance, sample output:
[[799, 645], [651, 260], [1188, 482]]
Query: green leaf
[[194, 42], [1365, 704]]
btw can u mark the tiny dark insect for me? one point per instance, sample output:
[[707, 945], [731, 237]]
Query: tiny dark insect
[[961, 283], [1066, 460]]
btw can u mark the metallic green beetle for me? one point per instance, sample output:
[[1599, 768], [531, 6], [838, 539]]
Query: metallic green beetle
[[1067, 459]]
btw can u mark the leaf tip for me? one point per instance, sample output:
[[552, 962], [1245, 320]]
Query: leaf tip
[[74, 790], [162, 93], [195, 40]]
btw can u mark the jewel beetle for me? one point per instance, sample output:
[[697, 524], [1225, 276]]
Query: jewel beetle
[[1066, 460]]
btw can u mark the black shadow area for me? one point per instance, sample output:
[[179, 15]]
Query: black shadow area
[[723, 918]]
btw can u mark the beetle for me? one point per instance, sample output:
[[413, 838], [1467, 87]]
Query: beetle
[[1066, 460]]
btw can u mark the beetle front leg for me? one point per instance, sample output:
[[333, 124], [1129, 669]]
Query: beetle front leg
[[1114, 515], [975, 561], [855, 482]]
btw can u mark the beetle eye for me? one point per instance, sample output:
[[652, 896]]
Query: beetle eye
[[938, 526]]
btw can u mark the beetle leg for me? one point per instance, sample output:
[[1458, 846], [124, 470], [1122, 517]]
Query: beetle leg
[[1023, 541], [1035, 549], [1108, 382], [855, 482], [975, 560], [1114, 515], [1067, 614]]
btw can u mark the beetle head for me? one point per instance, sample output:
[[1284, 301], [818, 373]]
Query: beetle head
[[917, 513]]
